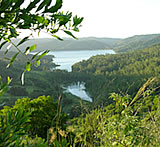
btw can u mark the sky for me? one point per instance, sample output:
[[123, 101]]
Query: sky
[[115, 18]]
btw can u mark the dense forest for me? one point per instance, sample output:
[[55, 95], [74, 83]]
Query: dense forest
[[120, 72]]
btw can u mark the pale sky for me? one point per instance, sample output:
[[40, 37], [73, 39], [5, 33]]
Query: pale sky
[[115, 18]]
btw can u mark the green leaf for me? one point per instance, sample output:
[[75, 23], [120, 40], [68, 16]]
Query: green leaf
[[57, 37], [13, 32], [41, 6], [70, 34], [40, 19], [26, 51], [43, 54], [32, 5], [38, 62], [33, 47], [76, 29], [12, 60], [34, 56], [9, 80], [2, 44], [54, 8], [30, 49], [28, 66], [23, 40], [77, 21], [8, 47], [18, 4], [4, 5], [48, 2], [45, 3]]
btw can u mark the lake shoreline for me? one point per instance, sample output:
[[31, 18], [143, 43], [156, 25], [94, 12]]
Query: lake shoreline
[[67, 58]]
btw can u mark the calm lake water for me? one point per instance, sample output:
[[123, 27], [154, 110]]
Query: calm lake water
[[67, 58], [79, 91]]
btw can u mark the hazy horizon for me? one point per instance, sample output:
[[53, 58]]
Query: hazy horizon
[[67, 37]]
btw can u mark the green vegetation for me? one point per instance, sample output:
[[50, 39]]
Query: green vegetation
[[137, 42], [130, 118], [126, 122], [36, 16], [119, 73], [69, 44], [124, 87], [92, 43], [143, 62], [37, 80]]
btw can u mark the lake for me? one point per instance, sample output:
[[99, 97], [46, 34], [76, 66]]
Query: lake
[[67, 58], [78, 90]]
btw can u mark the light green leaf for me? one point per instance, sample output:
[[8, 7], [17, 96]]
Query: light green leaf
[[38, 62], [30, 49], [28, 66], [33, 47], [42, 55], [12, 60], [57, 37]]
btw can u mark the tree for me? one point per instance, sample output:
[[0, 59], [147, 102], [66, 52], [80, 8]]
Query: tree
[[38, 15]]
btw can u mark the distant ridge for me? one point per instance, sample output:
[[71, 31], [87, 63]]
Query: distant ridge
[[137, 42], [92, 43]]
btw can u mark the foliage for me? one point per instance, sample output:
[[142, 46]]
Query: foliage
[[137, 42], [36, 16], [30, 118], [120, 73], [126, 122], [42, 107], [13, 126], [135, 63], [119, 124]]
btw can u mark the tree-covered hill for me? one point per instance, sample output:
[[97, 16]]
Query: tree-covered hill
[[142, 62], [137, 42], [92, 43], [88, 43], [119, 73]]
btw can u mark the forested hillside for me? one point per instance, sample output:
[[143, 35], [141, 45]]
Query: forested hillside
[[137, 42], [92, 43], [120, 73], [143, 62], [88, 43]]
